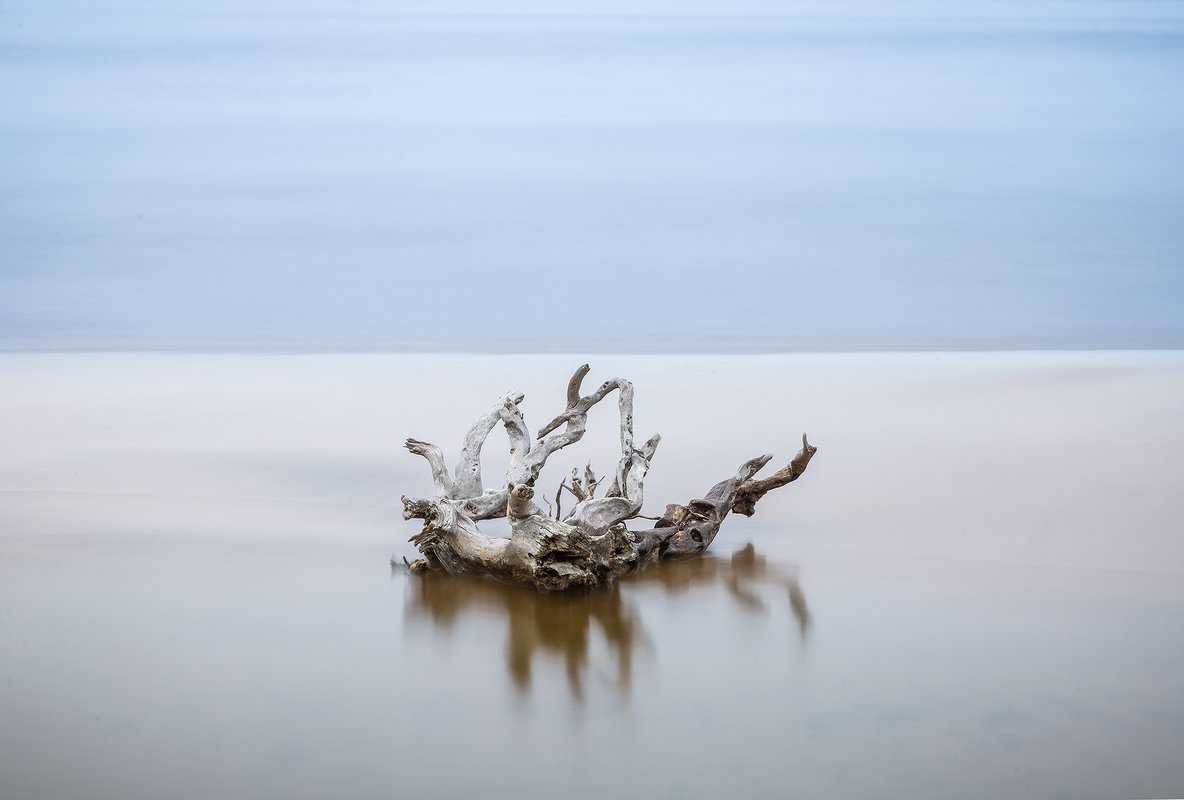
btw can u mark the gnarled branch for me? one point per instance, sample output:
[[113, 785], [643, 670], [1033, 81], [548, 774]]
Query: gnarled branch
[[753, 490], [526, 459], [590, 546]]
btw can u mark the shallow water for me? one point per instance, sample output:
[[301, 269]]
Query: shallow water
[[976, 589]]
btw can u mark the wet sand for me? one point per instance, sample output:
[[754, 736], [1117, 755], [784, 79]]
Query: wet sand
[[975, 590]]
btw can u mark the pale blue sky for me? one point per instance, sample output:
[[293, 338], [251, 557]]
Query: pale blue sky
[[696, 177]]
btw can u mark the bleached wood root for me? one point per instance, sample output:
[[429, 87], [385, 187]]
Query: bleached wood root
[[589, 546]]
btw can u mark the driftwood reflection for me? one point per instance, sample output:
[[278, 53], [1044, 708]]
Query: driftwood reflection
[[743, 574], [562, 625]]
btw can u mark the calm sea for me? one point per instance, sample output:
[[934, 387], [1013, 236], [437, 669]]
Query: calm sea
[[975, 591], [575, 177]]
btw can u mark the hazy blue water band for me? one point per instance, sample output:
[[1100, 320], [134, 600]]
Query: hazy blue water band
[[854, 176]]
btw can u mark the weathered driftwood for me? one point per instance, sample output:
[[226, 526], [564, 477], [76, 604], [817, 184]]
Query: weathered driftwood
[[590, 545]]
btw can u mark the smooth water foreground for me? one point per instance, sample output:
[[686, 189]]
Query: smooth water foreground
[[976, 589]]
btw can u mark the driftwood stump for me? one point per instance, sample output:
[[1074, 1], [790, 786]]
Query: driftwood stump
[[590, 545]]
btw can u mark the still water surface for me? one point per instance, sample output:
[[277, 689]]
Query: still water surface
[[311, 174], [975, 591]]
